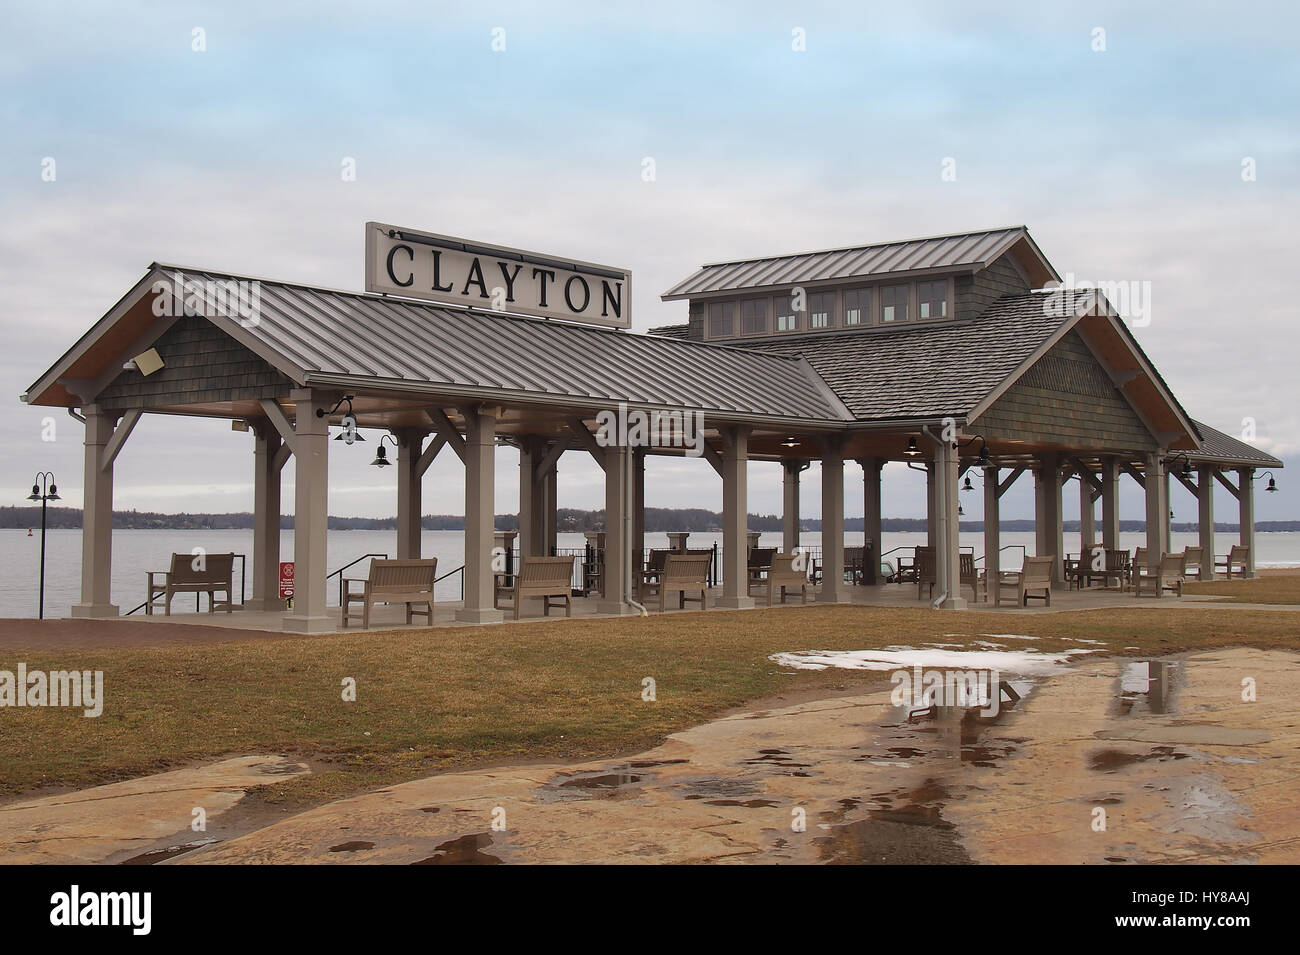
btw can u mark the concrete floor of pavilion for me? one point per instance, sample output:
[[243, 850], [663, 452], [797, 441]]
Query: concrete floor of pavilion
[[385, 617]]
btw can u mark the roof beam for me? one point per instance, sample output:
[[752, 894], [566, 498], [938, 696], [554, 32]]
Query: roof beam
[[1086, 473], [712, 455], [1133, 472], [120, 434], [275, 414], [1005, 486], [281, 458], [1187, 482], [428, 455], [548, 461], [446, 430], [586, 440], [1233, 489]]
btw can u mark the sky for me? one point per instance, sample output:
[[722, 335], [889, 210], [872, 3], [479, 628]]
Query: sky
[[1137, 147]]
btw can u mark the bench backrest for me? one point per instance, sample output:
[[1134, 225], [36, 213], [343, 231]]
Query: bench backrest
[[783, 572], [1238, 553], [966, 567], [1140, 558], [1118, 560], [657, 558], [403, 576], [1037, 571], [201, 569], [1193, 555], [761, 556], [926, 564], [1173, 565], [689, 569], [551, 574]]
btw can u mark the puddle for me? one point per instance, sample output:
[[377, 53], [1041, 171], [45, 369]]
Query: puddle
[[1113, 760], [466, 850], [154, 856], [596, 784], [1022, 662], [1144, 687], [356, 846], [914, 833], [747, 803]]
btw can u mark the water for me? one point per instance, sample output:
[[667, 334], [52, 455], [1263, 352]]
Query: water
[[137, 551]]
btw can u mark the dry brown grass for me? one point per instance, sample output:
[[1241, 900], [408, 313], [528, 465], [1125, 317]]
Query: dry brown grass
[[433, 700], [1271, 587]]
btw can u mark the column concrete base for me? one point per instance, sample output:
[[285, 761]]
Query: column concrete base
[[95, 610], [833, 599], [262, 605], [615, 608], [954, 603], [297, 623], [735, 603], [474, 615]]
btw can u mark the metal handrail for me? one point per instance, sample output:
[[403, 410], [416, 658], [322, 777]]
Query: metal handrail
[[459, 570], [1001, 549], [339, 573]]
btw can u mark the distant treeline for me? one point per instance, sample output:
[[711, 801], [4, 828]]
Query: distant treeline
[[568, 520]]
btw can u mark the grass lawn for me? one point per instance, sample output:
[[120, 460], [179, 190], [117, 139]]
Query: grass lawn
[[433, 700], [1272, 587]]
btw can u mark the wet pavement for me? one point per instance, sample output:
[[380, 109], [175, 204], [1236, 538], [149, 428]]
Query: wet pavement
[[1098, 762], [1086, 761]]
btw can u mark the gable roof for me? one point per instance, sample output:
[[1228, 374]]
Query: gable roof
[[931, 370], [964, 250], [341, 339]]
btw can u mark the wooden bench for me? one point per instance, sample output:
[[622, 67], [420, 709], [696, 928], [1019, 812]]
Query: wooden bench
[[1034, 575], [683, 573], [927, 569], [1238, 556], [1169, 575], [408, 582], [546, 577], [787, 570], [1192, 560], [193, 574], [760, 562], [1117, 566]]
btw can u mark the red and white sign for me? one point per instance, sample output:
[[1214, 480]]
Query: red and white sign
[[286, 579]]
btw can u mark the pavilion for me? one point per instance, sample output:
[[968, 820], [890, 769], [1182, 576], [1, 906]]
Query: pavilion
[[949, 352]]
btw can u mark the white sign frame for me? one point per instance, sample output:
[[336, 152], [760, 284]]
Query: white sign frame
[[448, 270]]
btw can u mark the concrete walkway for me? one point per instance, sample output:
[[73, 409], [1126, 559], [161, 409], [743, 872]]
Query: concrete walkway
[[1180, 771]]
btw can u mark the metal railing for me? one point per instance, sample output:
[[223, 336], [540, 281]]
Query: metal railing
[[339, 573], [459, 570]]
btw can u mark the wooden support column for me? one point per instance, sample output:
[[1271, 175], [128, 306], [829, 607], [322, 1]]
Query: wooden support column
[[480, 499], [1246, 504], [1205, 518], [638, 509], [616, 533], [97, 517], [410, 498], [268, 461], [532, 498], [1156, 506], [1166, 516], [1110, 503], [311, 513], [931, 508], [871, 517], [791, 472], [735, 519], [992, 533], [1049, 529], [833, 588], [948, 560], [1087, 516]]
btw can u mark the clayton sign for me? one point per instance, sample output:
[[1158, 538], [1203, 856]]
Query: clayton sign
[[441, 268]]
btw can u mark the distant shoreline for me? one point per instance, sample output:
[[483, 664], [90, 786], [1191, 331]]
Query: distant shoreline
[[569, 521]]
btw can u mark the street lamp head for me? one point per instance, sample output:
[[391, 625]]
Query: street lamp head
[[912, 450], [54, 493], [36, 493], [381, 458], [1272, 486]]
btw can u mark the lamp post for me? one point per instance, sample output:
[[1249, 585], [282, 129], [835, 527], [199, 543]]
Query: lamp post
[[44, 490]]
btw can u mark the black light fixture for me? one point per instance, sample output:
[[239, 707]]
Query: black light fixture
[[968, 486], [984, 460], [1186, 470], [381, 453], [350, 434], [1272, 483], [790, 443], [44, 490], [961, 512], [912, 450]]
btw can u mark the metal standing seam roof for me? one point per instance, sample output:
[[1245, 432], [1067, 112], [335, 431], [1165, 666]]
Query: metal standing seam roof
[[393, 340], [928, 370], [940, 252], [1218, 446]]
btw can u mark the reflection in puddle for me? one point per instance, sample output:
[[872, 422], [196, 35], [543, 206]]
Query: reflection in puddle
[[1113, 760], [154, 856], [1144, 687], [467, 850]]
